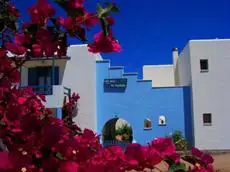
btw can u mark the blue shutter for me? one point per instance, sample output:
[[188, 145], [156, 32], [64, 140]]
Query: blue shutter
[[32, 76], [56, 75]]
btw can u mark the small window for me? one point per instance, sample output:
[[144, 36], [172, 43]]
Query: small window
[[204, 65], [162, 120], [207, 119], [147, 124]]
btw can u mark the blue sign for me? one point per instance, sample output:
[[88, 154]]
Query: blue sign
[[115, 83]]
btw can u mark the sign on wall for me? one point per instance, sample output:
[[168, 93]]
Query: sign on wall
[[115, 84]]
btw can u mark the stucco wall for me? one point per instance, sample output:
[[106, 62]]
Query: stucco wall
[[211, 92], [184, 67], [161, 75], [78, 74], [140, 101]]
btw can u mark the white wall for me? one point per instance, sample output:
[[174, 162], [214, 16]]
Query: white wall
[[24, 76], [79, 74], [183, 70], [161, 75], [211, 92]]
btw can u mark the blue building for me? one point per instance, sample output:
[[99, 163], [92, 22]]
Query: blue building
[[154, 106], [190, 95], [151, 112]]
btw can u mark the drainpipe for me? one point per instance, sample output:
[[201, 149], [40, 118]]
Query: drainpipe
[[53, 70], [53, 75]]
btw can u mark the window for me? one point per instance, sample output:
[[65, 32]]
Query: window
[[40, 78], [204, 65], [147, 124], [207, 119], [162, 120]]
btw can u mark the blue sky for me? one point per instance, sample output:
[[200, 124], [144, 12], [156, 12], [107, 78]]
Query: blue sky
[[149, 29]]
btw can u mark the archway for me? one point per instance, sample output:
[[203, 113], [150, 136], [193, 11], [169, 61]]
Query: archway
[[117, 129]]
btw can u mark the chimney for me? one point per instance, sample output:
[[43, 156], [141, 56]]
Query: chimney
[[175, 56]]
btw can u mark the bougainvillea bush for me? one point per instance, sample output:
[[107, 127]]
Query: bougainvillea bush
[[32, 139]]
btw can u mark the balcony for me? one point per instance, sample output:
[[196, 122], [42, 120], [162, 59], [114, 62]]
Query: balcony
[[54, 94], [45, 90]]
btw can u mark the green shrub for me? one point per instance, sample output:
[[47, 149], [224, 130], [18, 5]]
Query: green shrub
[[179, 141], [126, 131]]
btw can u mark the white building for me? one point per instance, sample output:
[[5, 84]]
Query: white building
[[205, 66], [161, 75], [75, 73]]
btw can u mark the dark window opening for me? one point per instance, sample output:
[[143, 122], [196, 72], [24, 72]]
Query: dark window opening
[[204, 65], [207, 118]]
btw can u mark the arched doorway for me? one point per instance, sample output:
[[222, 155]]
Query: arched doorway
[[117, 131]]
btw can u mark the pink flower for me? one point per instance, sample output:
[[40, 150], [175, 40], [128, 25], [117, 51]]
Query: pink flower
[[2, 52], [67, 23], [204, 157], [76, 3], [207, 159], [42, 97], [164, 146], [68, 166], [16, 49], [53, 132], [104, 44], [135, 152], [37, 50], [4, 162], [19, 39], [13, 10], [196, 152], [41, 12], [43, 36], [175, 157], [73, 27], [110, 20], [153, 157], [22, 100], [89, 19]]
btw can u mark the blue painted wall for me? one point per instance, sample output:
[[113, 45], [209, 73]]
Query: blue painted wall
[[140, 101], [188, 118]]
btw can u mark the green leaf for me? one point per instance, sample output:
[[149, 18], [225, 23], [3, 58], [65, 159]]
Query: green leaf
[[177, 167], [59, 156], [104, 12], [112, 7], [99, 9], [105, 26]]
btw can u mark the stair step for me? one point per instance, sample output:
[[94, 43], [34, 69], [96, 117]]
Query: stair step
[[116, 71], [132, 76]]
